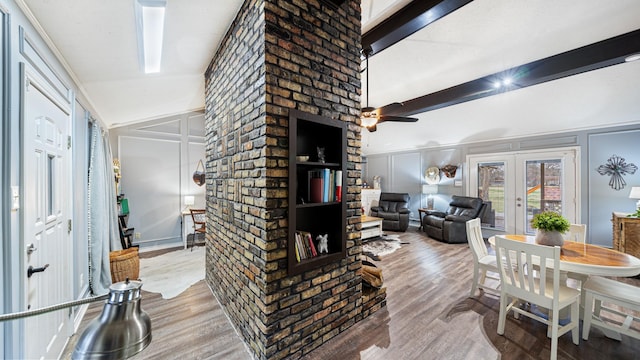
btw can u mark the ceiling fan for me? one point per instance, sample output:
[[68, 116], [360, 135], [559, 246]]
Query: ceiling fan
[[370, 117]]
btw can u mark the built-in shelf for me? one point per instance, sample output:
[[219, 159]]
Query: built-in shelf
[[308, 132]]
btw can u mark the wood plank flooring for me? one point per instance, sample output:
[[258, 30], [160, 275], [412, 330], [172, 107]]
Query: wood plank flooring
[[428, 316]]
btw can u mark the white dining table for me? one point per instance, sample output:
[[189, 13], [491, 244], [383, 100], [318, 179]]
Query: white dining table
[[589, 260]]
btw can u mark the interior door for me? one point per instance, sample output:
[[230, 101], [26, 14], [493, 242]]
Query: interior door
[[47, 244], [519, 185]]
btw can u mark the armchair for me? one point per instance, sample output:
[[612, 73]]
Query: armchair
[[450, 226], [394, 211]]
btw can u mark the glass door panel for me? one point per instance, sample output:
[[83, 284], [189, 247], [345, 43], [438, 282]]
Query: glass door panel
[[491, 189], [544, 188]]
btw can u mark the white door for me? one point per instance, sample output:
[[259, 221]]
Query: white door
[[518, 185], [47, 240]]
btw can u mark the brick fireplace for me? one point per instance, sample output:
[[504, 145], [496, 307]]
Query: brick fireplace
[[280, 55]]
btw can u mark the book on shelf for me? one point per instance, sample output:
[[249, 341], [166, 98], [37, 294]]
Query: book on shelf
[[305, 247], [327, 184], [339, 185], [316, 186], [324, 185]]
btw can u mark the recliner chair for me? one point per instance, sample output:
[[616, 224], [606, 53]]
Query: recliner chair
[[450, 226], [393, 208]]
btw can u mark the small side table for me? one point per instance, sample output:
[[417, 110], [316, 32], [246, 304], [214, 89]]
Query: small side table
[[371, 227], [421, 213]]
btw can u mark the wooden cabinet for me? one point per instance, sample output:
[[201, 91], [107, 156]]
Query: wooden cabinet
[[307, 133], [626, 234]]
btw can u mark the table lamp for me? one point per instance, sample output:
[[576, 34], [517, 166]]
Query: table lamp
[[429, 190], [635, 194]]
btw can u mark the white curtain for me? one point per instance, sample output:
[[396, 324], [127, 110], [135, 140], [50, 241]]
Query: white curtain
[[103, 217]]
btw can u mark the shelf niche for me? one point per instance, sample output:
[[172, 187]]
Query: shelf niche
[[307, 132]]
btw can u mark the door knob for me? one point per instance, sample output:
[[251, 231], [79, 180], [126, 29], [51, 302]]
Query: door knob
[[31, 270]]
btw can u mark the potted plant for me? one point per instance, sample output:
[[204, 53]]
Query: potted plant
[[550, 225]]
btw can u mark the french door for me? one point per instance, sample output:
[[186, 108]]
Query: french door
[[518, 185]]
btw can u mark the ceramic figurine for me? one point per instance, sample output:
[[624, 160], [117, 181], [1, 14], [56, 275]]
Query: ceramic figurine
[[321, 154], [323, 247]]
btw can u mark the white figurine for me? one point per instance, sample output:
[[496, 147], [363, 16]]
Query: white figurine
[[323, 247]]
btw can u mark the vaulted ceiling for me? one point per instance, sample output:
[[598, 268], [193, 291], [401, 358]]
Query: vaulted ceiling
[[484, 37]]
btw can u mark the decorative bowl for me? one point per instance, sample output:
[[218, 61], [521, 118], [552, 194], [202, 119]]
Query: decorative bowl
[[302, 158]]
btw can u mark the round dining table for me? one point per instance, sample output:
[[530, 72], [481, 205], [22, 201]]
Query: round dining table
[[588, 259]]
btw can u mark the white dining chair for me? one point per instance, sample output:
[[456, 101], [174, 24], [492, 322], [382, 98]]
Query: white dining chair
[[620, 299], [482, 261], [520, 285], [577, 233]]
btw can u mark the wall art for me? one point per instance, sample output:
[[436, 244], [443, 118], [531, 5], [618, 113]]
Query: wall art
[[615, 167]]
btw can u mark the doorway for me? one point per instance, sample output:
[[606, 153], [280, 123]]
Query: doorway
[[518, 185]]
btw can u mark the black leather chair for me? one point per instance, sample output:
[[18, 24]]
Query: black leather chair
[[450, 226], [393, 208]]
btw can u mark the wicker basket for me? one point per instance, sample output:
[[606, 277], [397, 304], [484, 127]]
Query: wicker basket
[[124, 264]]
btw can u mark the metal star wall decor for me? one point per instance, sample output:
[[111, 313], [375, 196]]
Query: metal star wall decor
[[616, 166]]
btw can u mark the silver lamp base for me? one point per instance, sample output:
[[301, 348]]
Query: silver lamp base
[[121, 331]]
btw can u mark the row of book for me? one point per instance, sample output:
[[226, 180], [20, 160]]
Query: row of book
[[305, 248], [325, 185]]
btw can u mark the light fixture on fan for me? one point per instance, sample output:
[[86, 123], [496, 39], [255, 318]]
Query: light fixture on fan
[[368, 118]]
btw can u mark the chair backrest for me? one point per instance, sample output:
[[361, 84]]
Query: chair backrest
[[476, 242], [199, 218], [465, 206], [516, 261], [392, 202], [577, 233]]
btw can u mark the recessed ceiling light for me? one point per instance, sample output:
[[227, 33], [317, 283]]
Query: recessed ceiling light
[[632, 57], [150, 30]]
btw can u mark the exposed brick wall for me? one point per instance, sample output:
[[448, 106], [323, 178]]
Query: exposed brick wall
[[279, 55]]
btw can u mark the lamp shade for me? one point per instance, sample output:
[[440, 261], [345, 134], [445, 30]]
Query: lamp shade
[[429, 189], [189, 200], [635, 193]]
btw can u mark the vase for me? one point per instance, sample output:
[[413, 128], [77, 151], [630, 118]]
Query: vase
[[550, 238]]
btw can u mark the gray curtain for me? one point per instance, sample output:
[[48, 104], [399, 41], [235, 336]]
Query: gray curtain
[[103, 217]]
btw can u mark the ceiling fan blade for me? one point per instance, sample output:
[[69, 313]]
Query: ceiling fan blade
[[396, 118], [390, 108]]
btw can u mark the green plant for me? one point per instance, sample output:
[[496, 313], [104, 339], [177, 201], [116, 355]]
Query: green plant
[[635, 214], [550, 221]]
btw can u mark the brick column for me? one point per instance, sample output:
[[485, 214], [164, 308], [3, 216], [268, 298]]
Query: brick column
[[279, 55]]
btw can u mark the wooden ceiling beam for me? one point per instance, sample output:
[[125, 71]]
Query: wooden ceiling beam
[[411, 18], [590, 57]]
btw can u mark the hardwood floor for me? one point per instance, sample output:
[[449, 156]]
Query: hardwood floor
[[428, 316]]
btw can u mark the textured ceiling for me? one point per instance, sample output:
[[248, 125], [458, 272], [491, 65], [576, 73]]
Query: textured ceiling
[[97, 39]]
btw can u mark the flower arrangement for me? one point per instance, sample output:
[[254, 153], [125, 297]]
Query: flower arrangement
[[550, 221]]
